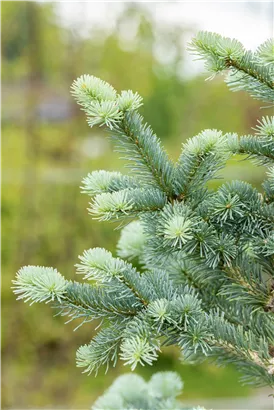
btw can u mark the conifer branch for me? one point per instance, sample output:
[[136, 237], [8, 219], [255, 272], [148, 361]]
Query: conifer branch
[[133, 139], [126, 203], [202, 156], [247, 71], [137, 143], [205, 281]]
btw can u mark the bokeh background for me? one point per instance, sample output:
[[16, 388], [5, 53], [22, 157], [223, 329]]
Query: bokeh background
[[47, 148]]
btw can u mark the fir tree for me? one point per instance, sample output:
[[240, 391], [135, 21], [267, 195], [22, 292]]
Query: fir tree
[[206, 277]]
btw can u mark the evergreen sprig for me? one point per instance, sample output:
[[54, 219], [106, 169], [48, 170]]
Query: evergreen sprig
[[251, 72], [205, 257]]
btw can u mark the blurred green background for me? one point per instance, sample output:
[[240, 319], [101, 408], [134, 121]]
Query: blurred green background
[[47, 148]]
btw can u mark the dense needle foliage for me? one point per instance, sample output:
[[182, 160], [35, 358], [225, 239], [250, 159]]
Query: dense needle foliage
[[205, 281]]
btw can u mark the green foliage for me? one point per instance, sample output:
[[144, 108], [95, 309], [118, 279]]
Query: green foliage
[[130, 391], [260, 146], [49, 286], [206, 279], [43, 216], [202, 156], [132, 241], [251, 72]]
